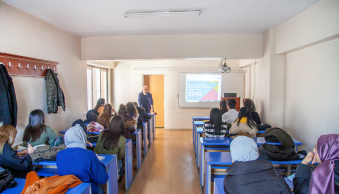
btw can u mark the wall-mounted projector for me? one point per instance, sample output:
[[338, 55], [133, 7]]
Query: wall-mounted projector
[[223, 67]]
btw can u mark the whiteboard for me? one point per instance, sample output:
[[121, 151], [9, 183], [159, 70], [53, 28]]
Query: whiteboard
[[230, 83]]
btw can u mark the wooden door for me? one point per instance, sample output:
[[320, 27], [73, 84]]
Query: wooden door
[[155, 85]]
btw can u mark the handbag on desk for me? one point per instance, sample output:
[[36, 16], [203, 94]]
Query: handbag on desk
[[6, 180]]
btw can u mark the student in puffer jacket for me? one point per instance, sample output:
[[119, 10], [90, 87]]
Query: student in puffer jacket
[[244, 123], [249, 174]]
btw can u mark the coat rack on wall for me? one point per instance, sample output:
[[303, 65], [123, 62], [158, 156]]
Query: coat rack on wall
[[26, 66]]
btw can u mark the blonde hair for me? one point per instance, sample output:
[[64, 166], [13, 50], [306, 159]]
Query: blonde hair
[[7, 135]]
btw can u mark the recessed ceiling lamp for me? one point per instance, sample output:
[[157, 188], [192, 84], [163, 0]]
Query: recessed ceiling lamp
[[163, 14]]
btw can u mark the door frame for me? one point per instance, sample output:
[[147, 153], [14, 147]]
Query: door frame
[[143, 83]]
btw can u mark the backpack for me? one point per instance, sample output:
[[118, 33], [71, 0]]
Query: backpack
[[6, 180], [58, 141], [92, 116]]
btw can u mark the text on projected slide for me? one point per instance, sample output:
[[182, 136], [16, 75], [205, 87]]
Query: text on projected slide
[[203, 88]]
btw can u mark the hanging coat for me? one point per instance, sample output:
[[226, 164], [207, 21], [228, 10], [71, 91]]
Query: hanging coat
[[54, 94], [8, 104]]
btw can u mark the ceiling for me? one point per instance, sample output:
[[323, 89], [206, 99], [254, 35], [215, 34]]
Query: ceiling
[[88, 18]]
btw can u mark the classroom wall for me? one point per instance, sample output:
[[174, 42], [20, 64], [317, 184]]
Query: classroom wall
[[317, 24], [128, 84], [231, 46], [312, 106], [295, 81], [26, 35]]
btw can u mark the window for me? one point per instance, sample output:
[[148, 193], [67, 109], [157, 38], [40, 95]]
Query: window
[[96, 85]]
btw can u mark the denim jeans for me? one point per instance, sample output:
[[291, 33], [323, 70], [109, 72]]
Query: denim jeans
[[120, 169]]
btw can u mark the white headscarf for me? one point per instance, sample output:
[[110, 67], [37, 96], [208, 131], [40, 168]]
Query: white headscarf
[[244, 149], [75, 137]]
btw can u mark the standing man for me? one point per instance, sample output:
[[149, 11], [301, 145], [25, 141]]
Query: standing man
[[145, 100]]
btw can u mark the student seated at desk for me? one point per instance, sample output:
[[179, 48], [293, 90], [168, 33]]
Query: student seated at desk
[[105, 117], [214, 127], [18, 163], [133, 112], [244, 123], [143, 116], [84, 164], [323, 177], [129, 121], [248, 103], [231, 114], [249, 174], [36, 132], [92, 115], [112, 141]]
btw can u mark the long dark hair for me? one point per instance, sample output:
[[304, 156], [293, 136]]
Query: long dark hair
[[110, 137], [100, 102], [131, 108], [223, 106], [215, 119], [105, 116], [248, 103], [246, 112], [35, 127], [123, 110]]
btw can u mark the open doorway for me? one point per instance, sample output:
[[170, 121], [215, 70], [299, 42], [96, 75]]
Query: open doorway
[[155, 85]]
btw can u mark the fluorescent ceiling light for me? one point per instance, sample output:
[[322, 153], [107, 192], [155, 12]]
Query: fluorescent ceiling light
[[163, 14]]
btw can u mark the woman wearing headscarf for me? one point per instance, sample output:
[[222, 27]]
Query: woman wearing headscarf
[[82, 163], [324, 176], [249, 174]]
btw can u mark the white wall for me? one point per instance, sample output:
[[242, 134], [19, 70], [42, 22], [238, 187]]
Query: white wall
[[128, 83], [25, 35], [231, 46], [298, 91], [312, 106], [316, 24]]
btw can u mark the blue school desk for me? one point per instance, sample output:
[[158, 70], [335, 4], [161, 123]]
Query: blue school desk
[[197, 118], [195, 125], [152, 124], [128, 164], [138, 142], [199, 131], [223, 143], [110, 162], [219, 160], [145, 135], [219, 185], [149, 131], [83, 188]]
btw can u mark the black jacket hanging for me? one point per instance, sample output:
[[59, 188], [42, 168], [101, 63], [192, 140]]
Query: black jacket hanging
[[8, 104], [54, 94]]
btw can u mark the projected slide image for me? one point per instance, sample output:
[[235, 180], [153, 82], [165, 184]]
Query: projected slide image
[[203, 88]]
